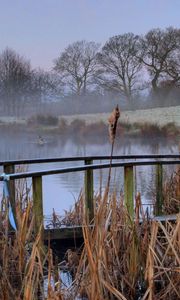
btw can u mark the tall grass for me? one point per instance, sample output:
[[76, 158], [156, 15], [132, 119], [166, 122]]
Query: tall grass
[[124, 259], [120, 259]]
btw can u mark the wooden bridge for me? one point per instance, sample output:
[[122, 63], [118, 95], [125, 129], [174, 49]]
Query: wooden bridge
[[128, 163]]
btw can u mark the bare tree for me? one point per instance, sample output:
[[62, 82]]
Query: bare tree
[[15, 75], [46, 87], [173, 68], [119, 67], [159, 51], [76, 66]]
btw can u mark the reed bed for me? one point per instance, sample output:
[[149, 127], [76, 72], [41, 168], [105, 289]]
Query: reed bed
[[121, 258], [125, 259]]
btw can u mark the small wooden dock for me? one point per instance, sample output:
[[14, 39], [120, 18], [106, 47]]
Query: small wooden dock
[[75, 232], [128, 163]]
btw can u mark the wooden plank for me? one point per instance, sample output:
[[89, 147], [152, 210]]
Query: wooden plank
[[165, 218], [89, 192], [37, 204], [159, 190], [129, 190], [66, 233]]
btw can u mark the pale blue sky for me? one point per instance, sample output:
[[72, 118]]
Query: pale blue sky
[[41, 29]]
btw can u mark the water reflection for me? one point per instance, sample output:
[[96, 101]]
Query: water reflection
[[60, 191]]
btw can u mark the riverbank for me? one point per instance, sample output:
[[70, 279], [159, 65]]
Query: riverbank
[[163, 122], [158, 116]]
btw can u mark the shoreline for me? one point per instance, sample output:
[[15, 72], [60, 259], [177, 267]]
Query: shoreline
[[163, 122], [159, 116]]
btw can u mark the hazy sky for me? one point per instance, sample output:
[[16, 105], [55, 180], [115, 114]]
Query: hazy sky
[[41, 29]]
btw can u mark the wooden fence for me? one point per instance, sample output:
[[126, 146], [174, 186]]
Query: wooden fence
[[128, 162]]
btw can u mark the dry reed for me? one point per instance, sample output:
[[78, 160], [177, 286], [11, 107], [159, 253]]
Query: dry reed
[[120, 260], [171, 193]]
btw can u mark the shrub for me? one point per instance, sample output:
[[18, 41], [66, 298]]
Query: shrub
[[170, 129], [77, 125], [40, 119], [63, 125], [151, 130]]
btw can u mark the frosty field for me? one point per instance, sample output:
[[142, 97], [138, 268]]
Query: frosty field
[[159, 116]]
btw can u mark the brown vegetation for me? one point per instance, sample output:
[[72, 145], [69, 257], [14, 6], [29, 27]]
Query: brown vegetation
[[82, 129], [121, 258], [172, 193], [43, 120]]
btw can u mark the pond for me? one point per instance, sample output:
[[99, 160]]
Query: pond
[[61, 191]]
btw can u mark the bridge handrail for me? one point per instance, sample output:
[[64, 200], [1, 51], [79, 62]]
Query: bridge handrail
[[88, 167], [85, 158]]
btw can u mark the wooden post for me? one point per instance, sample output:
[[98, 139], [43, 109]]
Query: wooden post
[[37, 204], [89, 191], [129, 190], [9, 169], [38, 221], [159, 190]]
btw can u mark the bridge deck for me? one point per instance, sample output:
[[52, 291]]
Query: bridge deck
[[75, 232]]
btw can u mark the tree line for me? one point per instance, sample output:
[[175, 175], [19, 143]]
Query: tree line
[[128, 66]]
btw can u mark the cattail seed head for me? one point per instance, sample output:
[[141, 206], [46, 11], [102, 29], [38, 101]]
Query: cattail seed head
[[113, 119]]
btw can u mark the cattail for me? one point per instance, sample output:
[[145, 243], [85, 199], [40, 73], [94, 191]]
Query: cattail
[[113, 119]]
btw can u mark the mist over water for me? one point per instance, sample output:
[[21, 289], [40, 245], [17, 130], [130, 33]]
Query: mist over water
[[60, 191]]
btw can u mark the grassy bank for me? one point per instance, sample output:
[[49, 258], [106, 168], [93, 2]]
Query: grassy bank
[[159, 116], [79, 128], [158, 122], [151, 122]]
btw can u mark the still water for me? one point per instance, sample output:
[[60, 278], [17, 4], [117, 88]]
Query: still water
[[61, 191]]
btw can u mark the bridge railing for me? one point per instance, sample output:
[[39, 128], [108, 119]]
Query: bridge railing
[[84, 158], [136, 160]]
